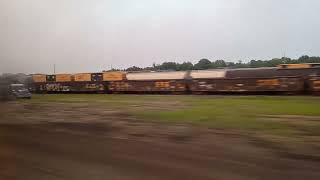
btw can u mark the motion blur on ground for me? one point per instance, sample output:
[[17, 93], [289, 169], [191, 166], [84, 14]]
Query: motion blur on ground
[[103, 136]]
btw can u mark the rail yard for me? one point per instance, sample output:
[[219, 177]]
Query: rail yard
[[284, 79]]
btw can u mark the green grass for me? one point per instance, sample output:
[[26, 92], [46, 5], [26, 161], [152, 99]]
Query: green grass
[[116, 101], [243, 113], [96, 98], [222, 112]]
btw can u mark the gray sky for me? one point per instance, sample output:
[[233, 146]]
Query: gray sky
[[92, 35]]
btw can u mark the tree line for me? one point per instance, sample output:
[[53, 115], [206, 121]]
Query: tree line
[[204, 63]]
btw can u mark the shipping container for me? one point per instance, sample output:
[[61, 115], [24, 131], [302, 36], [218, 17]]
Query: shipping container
[[208, 74], [39, 78], [299, 66], [114, 76], [63, 77], [96, 77], [294, 66], [157, 75], [51, 78], [82, 77]]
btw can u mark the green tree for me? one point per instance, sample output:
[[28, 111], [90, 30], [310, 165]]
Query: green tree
[[168, 66], [203, 64], [285, 60], [230, 64], [303, 59], [219, 63], [313, 59], [134, 68], [185, 66]]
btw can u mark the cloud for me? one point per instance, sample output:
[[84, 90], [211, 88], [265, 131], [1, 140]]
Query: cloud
[[80, 35]]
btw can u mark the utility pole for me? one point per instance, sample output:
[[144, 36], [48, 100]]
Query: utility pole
[[54, 68]]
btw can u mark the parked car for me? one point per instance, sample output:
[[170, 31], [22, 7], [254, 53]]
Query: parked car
[[19, 91]]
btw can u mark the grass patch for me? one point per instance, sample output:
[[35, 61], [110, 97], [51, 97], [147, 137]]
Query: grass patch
[[242, 113], [94, 98], [223, 112]]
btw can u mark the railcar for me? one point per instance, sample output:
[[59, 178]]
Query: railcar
[[151, 82], [243, 81], [88, 83], [288, 85], [58, 83]]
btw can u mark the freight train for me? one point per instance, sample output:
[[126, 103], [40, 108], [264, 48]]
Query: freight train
[[286, 79]]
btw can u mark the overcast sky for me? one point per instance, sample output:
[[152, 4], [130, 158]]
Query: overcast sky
[[92, 35]]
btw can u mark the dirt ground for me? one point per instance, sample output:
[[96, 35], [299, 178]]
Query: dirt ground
[[77, 141]]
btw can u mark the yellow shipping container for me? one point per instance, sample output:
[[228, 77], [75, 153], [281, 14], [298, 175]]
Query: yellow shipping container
[[39, 78], [82, 77], [63, 77], [294, 66], [114, 76]]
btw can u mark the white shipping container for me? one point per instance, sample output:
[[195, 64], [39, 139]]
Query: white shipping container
[[207, 74], [156, 75]]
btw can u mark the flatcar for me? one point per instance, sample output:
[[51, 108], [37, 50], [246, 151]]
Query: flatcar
[[88, 82]]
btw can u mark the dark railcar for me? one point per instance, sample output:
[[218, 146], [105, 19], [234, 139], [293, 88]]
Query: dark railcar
[[248, 85], [58, 87], [75, 87], [89, 87], [313, 83], [148, 86], [88, 83], [270, 72], [39, 87]]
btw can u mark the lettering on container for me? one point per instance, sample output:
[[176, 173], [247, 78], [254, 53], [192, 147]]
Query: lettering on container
[[162, 84], [268, 82], [316, 84]]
